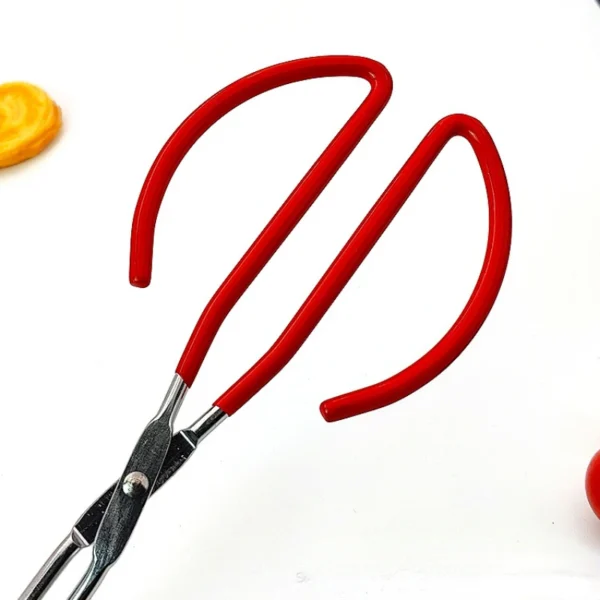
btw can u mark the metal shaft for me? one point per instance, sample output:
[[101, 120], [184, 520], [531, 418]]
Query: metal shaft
[[53, 567], [182, 446], [132, 491], [91, 581]]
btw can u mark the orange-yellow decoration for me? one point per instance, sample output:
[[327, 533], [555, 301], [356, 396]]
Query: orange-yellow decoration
[[29, 121]]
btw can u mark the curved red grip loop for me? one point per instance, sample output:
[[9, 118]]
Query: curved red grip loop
[[290, 213], [354, 252]]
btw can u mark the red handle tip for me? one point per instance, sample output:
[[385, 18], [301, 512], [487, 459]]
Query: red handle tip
[[325, 413], [334, 410], [140, 282]]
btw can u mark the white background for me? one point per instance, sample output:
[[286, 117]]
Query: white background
[[470, 488]]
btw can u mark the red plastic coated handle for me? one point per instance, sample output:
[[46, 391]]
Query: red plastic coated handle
[[354, 252]]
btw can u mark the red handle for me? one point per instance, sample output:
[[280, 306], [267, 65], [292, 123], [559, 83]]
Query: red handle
[[360, 244], [290, 213]]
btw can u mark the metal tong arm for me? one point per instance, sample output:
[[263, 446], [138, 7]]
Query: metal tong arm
[[352, 255], [83, 533], [54, 566]]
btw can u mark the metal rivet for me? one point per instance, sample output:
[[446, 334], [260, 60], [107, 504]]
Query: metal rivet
[[135, 483]]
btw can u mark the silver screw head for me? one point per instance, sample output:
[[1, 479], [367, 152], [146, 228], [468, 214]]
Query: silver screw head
[[135, 483]]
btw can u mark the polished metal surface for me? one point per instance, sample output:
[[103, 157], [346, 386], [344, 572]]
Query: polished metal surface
[[84, 532], [54, 566], [135, 483], [186, 441], [82, 535], [124, 510], [206, 424]]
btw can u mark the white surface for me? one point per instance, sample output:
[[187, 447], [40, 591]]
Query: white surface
[[471, 488]]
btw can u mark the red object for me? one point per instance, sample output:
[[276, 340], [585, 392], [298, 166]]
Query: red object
[[354, 252], [592, 484]]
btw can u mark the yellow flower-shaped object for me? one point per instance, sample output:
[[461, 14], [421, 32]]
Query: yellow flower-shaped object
[[29, 121]]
